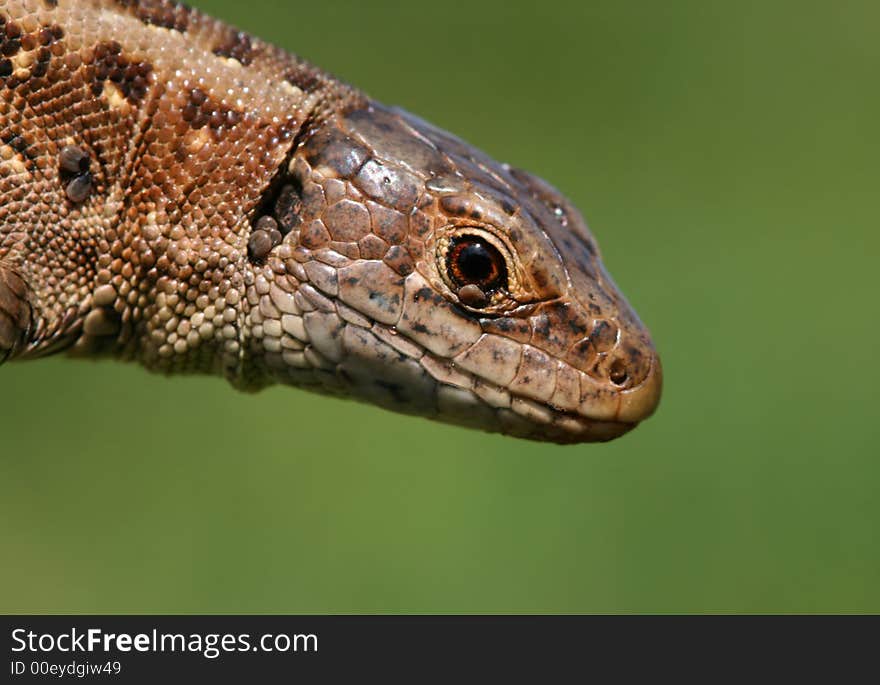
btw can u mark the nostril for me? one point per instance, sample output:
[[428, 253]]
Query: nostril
[[617, 373]]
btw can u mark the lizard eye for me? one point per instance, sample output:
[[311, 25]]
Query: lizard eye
[[474, 261]]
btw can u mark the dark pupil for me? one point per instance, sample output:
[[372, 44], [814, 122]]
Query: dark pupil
[[472, 261], [475, 262]]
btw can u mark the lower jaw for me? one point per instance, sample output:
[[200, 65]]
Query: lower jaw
[[589, 431]]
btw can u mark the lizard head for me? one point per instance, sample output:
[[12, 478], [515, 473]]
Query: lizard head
[[427, 278]]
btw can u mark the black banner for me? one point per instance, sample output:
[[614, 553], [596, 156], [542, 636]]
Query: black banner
[[133, 649]]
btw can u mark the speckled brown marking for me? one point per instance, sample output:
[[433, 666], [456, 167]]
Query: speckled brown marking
[[111, 65], [201, 111], [21, 147], [164, 13], [27, 50], [10, 38], [303, 78], [237, 46]]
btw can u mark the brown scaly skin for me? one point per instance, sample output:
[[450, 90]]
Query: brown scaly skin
[[180, 194]]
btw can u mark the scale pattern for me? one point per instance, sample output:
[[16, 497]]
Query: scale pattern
[[176, 192]]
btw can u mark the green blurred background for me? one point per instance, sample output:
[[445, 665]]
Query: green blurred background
[[725, 155]]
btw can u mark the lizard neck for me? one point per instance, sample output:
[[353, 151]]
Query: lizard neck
[[142, 142]]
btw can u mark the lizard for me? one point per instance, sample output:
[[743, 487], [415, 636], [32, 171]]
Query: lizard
[[178, 193]]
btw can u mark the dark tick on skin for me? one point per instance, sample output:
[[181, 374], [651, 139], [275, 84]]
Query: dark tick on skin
[[79, 189], [73, 159], [268, 224], [259, 245], [73, 164], [264, 238], [288, 207], [472, 296]]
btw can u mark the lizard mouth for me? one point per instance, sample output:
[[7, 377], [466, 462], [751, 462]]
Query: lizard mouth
[[466, 399]]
